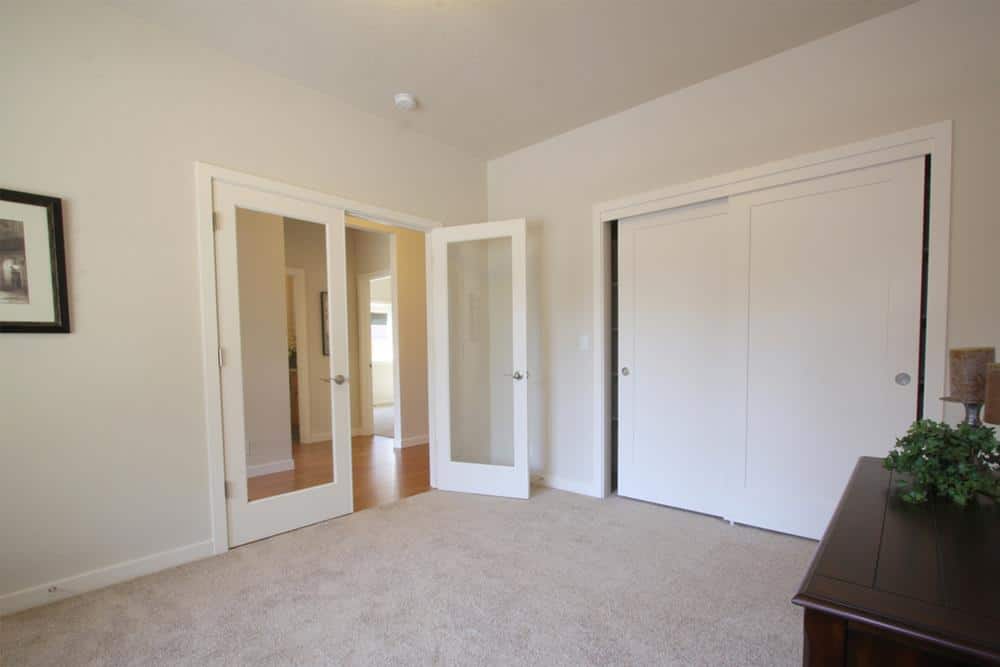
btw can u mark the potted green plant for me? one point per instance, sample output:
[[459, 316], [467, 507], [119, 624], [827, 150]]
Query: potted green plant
[[947, 462]]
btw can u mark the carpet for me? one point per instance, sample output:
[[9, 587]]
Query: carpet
[[446, 578]]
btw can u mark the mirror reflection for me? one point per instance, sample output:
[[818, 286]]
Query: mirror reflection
[[285, 353]]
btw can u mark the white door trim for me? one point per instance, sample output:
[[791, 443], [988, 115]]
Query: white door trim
[[206, 175], [302, 351], [934, 140]]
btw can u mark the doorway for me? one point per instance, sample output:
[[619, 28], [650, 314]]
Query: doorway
[[375, 319], [280, 376]]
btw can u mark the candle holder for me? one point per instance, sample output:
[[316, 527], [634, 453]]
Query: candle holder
[[968, 369], [972, 414]]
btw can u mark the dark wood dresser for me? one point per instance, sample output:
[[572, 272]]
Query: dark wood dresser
[[899, 584]]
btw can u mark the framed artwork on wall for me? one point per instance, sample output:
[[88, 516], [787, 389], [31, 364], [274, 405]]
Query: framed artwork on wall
[[33, 296], [324, 317]]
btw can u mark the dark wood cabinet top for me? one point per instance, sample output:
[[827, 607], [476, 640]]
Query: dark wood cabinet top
[[929, 572]]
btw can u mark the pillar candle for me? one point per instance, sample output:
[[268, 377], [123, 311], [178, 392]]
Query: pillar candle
[[968, 373]]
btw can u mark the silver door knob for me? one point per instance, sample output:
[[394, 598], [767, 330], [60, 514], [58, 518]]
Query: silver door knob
[[517, 375], [625, 370], [339, 379], [902, 379]]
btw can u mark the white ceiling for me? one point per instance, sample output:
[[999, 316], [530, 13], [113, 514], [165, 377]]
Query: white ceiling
[[492, 76]]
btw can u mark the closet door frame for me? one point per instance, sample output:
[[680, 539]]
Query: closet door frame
[[931, 140]]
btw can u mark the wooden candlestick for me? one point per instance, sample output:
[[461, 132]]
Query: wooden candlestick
[[992, 394]]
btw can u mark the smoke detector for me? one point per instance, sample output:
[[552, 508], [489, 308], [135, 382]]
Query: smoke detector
[[405, 101]]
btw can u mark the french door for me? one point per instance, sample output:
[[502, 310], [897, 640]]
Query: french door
[[276, 481], [479, 373]]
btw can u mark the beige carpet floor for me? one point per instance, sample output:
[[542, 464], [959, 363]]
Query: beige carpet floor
[[451, 579]]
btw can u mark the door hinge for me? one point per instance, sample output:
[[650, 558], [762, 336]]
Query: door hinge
[[222, 359], [228, 489], [215, 220]]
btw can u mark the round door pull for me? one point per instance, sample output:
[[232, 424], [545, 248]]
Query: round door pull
[[339, 379], [626, 371], [517, 375], [902, 379]]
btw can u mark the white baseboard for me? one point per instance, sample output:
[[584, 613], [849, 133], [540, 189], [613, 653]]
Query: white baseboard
[[318, 437], [358, 430], [89, 581], [563, 484], [267, 468], [414, 440]]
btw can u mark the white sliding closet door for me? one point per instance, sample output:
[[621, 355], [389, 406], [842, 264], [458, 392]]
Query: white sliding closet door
[[682, 356], [834, 336], [767, 341]]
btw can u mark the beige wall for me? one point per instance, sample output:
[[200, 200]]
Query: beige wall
[[932, 61], [260, 246], [305, 248], [367, 252], [103, 433], [411, 286]]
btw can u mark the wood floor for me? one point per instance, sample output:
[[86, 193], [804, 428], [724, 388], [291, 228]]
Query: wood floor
[[382, 474]]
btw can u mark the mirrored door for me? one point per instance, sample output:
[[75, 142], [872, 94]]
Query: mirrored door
[[480, 355], [280, 269]]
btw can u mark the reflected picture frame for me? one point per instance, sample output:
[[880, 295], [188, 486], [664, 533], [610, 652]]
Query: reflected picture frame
[[33, 291], [324, 318]]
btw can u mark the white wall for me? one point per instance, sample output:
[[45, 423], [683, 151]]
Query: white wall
[[103, 433], [305, 248], [260, 252], [382, 383], [932, 61]]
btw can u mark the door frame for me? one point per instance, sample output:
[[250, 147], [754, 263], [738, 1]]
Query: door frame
[[934, 140], [298, 276], [366, 388], [206, 176]]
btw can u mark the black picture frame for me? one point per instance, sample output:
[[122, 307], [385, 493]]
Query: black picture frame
[[57, 254], [324, 316]]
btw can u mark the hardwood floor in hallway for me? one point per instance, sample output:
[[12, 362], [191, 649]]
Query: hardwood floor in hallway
[[382, 474]]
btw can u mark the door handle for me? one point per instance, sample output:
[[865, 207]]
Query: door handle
[[517, 375], [625, 371], [336, 379]]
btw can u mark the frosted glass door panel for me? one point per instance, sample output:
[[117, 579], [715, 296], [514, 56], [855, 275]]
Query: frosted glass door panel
[[479, 373], [480, 305]]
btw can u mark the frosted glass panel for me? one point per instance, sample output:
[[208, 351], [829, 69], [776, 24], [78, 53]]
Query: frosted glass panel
[[480, 307]]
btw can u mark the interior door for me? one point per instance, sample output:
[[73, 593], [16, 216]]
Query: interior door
[[833, 336], [682, 350], [479, 372], [275, 480]]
